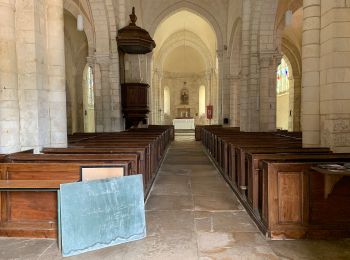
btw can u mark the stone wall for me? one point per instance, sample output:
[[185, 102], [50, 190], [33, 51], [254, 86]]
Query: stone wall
[[335, 75], [240, 72], [175, 83], [36, 106]]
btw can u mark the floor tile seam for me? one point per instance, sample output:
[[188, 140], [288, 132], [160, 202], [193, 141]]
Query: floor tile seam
[[169, 210], [193, 218], [221, 211], [231, 232]]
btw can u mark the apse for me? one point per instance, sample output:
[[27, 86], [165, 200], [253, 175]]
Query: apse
[[184, 71]]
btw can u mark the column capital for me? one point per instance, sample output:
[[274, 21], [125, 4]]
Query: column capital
[[91, 60], [102, 59], [307, 3], [269, 58], [265, 60]]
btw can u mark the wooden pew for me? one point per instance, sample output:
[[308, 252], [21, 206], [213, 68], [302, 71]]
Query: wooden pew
[[29, 182], [198, 130], [253, 168], [143, 163], [272, 199], [140, 154], [295, 205], [131, 159], [28, 199]]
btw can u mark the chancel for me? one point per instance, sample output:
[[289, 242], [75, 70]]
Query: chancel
[[234, 114]]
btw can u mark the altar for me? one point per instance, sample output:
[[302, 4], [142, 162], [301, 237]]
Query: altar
[[183, 123]]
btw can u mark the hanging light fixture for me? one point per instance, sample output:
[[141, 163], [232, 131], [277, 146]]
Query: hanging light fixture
[[288, 17], [80, 20]]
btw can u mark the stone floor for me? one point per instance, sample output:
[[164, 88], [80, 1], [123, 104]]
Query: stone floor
[[191, 214]]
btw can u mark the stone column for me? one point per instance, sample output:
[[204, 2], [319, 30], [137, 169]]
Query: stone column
[[234, 100], [245, 52], [335, 75], [32, 68], [220, 89], [103, 103], [294, 103], [310, 103], [161, 100], [56, 73], [117, 122], [106, 96], [215, 97], [208, 88], [149, 58], [155, 96], [267, 96], [263, 102], [9, 116], [98, 99]]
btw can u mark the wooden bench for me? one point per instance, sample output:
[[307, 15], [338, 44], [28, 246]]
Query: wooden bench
[[137, 155], [253, 167], [294, 203], [284, 196], [29, 182], [28, 199]]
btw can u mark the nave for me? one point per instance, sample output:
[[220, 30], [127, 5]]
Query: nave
[[191, 214]]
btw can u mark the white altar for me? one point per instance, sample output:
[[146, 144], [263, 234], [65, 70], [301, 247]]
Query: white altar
[[183, 123]]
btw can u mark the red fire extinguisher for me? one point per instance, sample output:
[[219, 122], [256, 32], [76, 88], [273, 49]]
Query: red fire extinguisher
[[209, 112]]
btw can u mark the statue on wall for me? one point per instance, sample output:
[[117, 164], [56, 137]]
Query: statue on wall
[[184, 97]]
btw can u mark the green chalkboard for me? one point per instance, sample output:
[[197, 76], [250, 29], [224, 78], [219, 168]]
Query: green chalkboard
[[101, 213]]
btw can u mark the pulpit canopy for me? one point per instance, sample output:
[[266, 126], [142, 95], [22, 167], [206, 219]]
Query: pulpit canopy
[[133, 39]]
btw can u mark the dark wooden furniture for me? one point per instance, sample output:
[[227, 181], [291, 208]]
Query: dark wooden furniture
[[279, 183], [294, 205], [133, 40], [29, 182], [28, 199]]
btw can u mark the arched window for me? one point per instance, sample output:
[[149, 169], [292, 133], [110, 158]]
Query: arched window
[[282, 77], [166, 101], [201, 107], [88, 99], [90, 86], [283, 110]]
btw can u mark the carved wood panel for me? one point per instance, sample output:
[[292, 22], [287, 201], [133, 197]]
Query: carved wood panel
[[289, 197]]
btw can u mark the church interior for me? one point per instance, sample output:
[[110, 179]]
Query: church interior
[[235, 113]]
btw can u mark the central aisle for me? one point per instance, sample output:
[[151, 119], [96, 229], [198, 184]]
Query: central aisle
[[193, 214]]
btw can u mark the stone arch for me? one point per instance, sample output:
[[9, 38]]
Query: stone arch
[[284, 101], [235, 47], [76, 50], [293, 52], [112, 25], [194, 8], [192, 40], [101, 26], [89, 29], [294, 6], [294, 57], [210, 56], [267, 35]]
